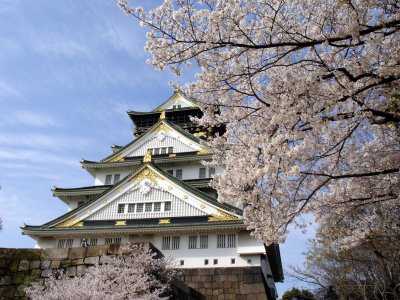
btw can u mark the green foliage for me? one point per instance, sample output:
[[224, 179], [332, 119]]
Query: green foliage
[[296, 294]]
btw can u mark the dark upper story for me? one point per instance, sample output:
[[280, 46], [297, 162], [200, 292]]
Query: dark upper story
[[180, 116]]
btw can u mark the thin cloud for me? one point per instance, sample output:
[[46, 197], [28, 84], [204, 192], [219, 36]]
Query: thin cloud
[[8, 91], [29, 118]]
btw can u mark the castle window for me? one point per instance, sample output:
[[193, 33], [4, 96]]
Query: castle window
[[108, 179], [148, 207], [211, 172], [193, 242], [121, 208], [156, 151], [170, 172], [226, 240], [93, 242], [233, 261], [131, 208], [206, 262], [65, 243], [203, 241], [163, 150], [170, 149], [116, 178], [167, 206], [139, 207], [166, 243], [175, 242], [108, 241], [215, 261], [231, 240], [249, 261], [182, 262], [117, 240], [157, 206], [178, 174], [202, 173]]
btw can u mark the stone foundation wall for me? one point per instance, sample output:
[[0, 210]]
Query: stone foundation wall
[[245, 283], [21, 267]]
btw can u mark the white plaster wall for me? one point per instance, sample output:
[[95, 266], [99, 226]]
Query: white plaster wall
[[193, 258], [100, 178], [189, 171], [179, 208]]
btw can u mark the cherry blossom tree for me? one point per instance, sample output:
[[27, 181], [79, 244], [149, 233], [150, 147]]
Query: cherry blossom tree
[[308, 92], [367, 271], [135, 274]]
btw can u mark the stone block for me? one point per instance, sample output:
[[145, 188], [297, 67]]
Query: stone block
[[36, 272], [5, 280], [71, 271], [18, 278], [80, 270], [262, 297], [75, 253], [55, 253], [252, 288], [204, 272], [46, 273], [14, 265], [92, 260], [78, 261], [103, 259], [251, 297], [23, 265], [66, 264], [35, 264], [46, 264], [55, 264], [97, 250]]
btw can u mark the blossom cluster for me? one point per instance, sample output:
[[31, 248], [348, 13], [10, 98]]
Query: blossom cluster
[[308, 92]]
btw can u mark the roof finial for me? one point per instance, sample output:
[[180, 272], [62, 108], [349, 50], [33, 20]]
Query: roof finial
[[162, 116], [147, 157]]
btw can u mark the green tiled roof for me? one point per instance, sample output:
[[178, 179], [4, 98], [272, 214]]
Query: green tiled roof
[[185, 186], [175, 127]]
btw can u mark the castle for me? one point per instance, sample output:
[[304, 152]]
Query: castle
[[156, 189]]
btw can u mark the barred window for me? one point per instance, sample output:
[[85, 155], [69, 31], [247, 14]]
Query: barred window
[[170, 149], [166, 243], [68, 243], [117, 240], [167, 206], [156, 151], [193, 242], [121, 208], [202, 173], [178, 174], [108, 179], [139, 207], [92, 242], [211, 172], [116, 178], [175, 242], [61, 243], [163, 150], [148, 207], [226, 240], [170, 172], [131, 208], [221, 241], [231, 242], [108, 241], [157, 206], [203, 241]]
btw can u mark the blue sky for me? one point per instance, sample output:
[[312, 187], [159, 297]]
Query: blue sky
[[69, 71]]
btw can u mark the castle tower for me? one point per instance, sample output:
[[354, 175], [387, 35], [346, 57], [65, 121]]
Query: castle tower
[[155, 189]]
